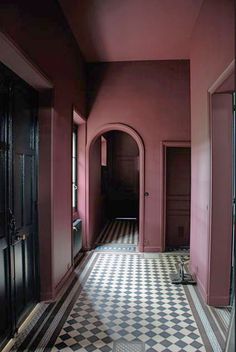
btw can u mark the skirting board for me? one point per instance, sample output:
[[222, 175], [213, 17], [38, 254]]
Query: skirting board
[[150, 249]]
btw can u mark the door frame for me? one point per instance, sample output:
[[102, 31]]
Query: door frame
[[212, 275], [10, 182], [164, 146], [16, 84], [12, 56], [134, 134]]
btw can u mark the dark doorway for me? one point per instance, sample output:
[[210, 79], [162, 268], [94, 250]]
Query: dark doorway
[[121, 176], [18, 201], [178, 188], [119, 197]]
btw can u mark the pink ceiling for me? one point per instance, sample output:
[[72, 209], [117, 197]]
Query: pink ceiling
[[123, 30]]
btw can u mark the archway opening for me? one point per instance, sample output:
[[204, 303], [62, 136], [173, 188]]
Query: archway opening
[[115, 190]]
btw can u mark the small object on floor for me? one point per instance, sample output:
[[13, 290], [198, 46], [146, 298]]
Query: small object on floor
[[128, 346], [181, 277]]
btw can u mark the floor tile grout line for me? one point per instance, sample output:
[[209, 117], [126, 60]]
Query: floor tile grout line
[[56, 305], [44, 340], [21, 342], [200, 325], [146, 269], [211, 334]]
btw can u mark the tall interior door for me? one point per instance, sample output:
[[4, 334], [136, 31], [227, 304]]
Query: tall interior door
[[232, 285], [123, 170], [178, 188], [18, 202]]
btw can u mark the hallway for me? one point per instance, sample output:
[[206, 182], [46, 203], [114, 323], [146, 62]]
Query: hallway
[[116, 121], [125, 297], [117, 234]]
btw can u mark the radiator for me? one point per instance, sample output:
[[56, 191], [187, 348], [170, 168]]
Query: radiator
[[77, 237]]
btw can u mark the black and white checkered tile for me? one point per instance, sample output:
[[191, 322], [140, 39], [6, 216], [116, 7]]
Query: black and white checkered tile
[[119, 231], [130, 297]]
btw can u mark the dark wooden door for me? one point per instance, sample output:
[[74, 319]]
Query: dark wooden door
[[126, 187], [178, 188], [5, 285], [23, 197], [18, 199], [123, 170]]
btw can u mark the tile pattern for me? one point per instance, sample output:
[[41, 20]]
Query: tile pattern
[[209, 324], [31, 324], [130, 297], [116, 248], [125, 346], [142, 308], [119, 231]]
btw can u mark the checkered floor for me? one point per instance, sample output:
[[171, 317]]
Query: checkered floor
[[130, 297], [119, 231]]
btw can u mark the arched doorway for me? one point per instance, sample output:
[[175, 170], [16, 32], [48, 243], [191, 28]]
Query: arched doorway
[[91, 151]]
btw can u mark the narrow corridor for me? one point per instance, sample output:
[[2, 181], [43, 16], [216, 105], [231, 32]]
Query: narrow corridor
[[116, 121], [125, 297]]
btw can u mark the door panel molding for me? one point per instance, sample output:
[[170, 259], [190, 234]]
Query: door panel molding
[[18, 254], [163, 148]]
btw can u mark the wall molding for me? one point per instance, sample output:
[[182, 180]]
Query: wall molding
[[163, 148], [14, 58], [230, 69], [152, 249], [220, 80]]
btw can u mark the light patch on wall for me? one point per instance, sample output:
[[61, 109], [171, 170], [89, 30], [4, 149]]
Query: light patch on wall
[[103, 151]]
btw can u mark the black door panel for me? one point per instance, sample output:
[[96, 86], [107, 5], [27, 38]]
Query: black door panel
[[18, 196], [5, 287], [5, 305]]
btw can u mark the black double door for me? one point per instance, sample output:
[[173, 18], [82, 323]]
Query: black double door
[[18, 202]]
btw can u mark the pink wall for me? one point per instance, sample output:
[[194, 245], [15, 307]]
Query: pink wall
[[153, 98], [112, 30], [221, 212], [95, 195], [212, 51], [104, 151], [38, 28]]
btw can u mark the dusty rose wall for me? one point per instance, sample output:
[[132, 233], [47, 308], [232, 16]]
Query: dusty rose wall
[[212, 51], [38, 28], [153, 98], [95, 195], [221, 208]]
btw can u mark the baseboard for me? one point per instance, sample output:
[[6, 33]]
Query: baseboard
[[46, 296], [64, 282], [87, 249], [78, 258], [218, 301], [151, 249], [201, 289]]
